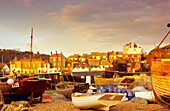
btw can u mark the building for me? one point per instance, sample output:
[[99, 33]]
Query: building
[[72, 61], [4, 69], [57, 61], [96, 57], [132, 52], [27, 66], [132, 48], [132, 57]]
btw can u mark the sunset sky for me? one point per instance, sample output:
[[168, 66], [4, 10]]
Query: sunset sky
[[82, 26]]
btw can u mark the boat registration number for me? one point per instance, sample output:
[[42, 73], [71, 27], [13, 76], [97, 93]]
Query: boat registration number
[[15, 85]]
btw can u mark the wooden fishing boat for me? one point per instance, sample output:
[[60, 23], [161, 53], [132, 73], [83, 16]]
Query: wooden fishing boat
[[65, 89], [99, 101], [68, 88], [160, 74], [110, 81], [99, 80], [20, 90], [39, 88]]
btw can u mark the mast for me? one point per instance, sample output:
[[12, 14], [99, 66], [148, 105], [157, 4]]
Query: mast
[[3, 65], [31, 49], [161, 41], [31, 43]]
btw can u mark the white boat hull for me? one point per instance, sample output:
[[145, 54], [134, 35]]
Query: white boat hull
[[146, 95], [98, 101]]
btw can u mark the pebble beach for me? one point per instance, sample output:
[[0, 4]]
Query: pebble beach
[[61, 103], [66, 105]]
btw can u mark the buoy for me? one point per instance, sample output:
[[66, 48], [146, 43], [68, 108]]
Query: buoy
[[10, 81]]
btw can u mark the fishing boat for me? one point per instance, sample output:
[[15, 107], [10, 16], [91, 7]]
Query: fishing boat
[[101, 101], [99, 80], [23, 86], [160, 77], [160, 74], [143, 93], [39, 88], [148, 95], [20, 90], [67, 88]]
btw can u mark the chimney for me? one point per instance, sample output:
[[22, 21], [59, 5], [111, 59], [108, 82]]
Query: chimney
[[51, 53], [38, 54]]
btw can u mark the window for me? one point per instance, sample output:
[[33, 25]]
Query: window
[[82, 77], [33, 65], [54, 59], [59, 58], [13, 66], [98, 57], [54, 64], [83, 59]]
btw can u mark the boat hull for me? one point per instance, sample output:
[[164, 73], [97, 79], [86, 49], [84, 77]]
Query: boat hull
[[39, 88], [106, 81], [19, 91], [146, 95], [160, 75], [23, 89], [98, 101]]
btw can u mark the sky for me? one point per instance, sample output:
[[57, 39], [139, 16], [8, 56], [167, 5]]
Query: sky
[[82, 26]]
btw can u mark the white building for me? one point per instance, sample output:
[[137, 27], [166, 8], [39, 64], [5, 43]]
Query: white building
[[132, 48]]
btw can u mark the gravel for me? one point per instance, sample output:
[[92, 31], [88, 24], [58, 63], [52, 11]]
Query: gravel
[[66, 105], [60, 103]]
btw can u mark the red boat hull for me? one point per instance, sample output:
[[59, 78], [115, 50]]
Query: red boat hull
[[23, 89]]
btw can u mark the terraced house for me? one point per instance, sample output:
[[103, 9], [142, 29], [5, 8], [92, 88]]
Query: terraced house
[[57, 62], [27, 66]]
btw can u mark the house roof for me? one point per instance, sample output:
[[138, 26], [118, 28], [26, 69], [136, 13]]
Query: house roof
[[105, 62], [99, 54], [28, 60], [55, 55]]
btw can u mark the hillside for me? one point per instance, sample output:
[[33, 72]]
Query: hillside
[[10, 54], [162, 52]]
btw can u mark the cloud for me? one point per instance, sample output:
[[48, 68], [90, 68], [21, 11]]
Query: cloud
[[117, 21], [26, 3], [73, 14]]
